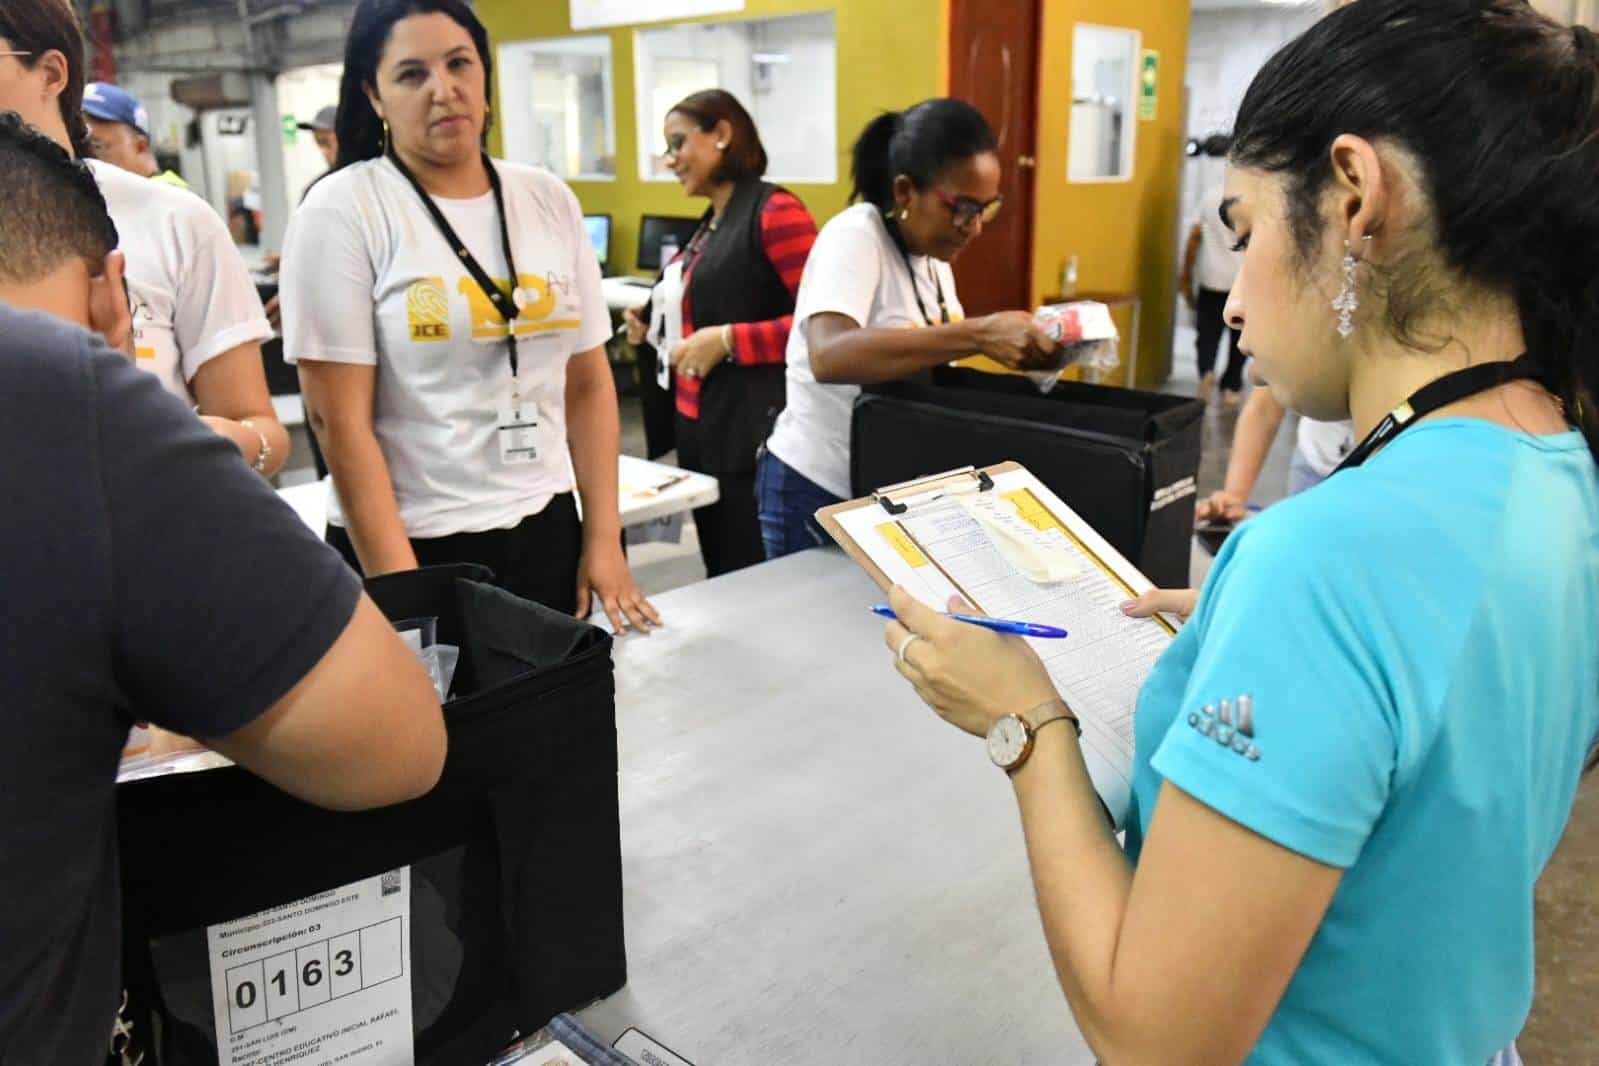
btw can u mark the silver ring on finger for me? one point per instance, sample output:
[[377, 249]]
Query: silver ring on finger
[[905, 644]]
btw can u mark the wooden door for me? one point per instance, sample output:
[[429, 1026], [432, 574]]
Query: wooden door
[[993, 65]]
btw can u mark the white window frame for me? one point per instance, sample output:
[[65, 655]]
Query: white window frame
[[514, 61], [649, 140], [1131, 120]]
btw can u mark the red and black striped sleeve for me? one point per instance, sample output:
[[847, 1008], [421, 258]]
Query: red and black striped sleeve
[[787, 233]]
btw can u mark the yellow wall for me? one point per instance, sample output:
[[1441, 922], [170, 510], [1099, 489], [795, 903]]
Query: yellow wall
[[1123, 234], [891, 53]]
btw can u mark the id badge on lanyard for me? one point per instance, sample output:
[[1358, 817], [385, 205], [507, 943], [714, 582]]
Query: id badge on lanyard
[[518, 428], [518, 422]]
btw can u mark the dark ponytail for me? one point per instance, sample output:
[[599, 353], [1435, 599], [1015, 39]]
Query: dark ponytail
[[1499, 106], [918, 143], [358, 127], [869, 161]]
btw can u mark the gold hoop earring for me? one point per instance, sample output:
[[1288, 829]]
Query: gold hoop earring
[[385, 135]]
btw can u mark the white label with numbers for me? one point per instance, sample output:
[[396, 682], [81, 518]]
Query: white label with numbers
[[323, 980]]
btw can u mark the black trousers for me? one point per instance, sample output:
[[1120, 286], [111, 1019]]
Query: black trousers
[[1211, 321], [536, 559], [730, 528]]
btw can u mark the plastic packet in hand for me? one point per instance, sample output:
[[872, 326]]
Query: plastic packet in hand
[[1086, 335]]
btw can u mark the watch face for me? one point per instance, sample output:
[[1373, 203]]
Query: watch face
[[1007, 739]]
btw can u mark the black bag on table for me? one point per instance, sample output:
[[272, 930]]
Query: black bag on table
[[515, 856], [1125, 460]]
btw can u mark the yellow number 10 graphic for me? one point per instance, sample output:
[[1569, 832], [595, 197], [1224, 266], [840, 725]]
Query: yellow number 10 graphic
[[487, 322]]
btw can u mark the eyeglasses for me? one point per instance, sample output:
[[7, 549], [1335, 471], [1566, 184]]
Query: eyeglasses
[[674, 147], [16, 53], [967, 211]]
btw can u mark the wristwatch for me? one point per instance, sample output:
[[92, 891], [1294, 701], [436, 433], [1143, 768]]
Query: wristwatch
[[1010, 739]]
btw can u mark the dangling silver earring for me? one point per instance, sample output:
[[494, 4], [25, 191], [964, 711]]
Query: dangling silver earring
[[1348, 300]]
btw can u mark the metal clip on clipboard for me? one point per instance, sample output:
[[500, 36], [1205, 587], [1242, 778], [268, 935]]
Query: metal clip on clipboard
[[897, 499]]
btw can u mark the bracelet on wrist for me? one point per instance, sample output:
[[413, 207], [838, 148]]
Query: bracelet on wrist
[[261, 457]]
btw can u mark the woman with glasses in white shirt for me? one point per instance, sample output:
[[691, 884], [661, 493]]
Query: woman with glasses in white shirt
[[877, 302]]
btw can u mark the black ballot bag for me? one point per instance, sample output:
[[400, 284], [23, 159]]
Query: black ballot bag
[[515, 860], [1127, 461]]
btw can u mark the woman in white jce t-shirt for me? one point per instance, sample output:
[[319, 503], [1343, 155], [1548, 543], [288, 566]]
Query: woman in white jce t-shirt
[[439, 452], [198, 323], [877, 302], [197, 320]]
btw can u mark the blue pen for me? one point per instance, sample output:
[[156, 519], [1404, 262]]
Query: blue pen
[[998, 625]]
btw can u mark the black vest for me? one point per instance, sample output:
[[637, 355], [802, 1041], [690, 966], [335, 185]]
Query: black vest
[[733, 281]]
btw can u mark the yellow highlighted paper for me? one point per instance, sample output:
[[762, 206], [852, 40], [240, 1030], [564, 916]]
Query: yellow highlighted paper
[[1032, 512], [903, 544]]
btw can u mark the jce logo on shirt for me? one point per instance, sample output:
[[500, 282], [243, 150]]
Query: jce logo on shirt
[[427, 306]]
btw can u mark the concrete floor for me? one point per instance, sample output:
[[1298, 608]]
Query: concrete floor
[[1563, 1029]]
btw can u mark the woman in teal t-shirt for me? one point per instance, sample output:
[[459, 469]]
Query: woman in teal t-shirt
[[1357, 756]]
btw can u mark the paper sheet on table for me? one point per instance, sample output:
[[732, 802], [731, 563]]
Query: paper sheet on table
[[939, 550]]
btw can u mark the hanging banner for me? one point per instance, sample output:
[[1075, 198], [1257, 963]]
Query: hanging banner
[[593, 14]]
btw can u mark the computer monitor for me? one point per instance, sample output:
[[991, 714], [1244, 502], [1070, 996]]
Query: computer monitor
[[653, 229], [599, 229]]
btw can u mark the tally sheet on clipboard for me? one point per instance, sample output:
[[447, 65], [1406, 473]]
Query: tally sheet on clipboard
[[934, 548]]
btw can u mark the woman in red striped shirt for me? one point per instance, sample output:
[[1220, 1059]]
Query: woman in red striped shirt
[[740, 274]]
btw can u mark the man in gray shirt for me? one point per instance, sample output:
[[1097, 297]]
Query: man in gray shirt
[[149, 575]]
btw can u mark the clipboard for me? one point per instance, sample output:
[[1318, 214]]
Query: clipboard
[[897, 501], [938, 548]]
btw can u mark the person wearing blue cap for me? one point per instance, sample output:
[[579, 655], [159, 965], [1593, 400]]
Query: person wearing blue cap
[[119, 130]]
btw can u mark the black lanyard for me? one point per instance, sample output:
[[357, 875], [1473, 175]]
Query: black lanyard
[[1451, 388], [938, 285], [496, 295], [695, 249]]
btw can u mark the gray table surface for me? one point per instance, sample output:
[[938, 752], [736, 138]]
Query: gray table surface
[[816, 869]]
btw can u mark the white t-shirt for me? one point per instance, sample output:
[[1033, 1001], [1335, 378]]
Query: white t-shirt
[[193, 299], [369, 279], [1324, 444], [1217, 266], [855, 269]]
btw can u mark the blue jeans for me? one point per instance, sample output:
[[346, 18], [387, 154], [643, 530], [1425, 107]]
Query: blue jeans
[[788, 502]]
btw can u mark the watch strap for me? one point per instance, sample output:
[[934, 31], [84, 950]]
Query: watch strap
[[1051, 711]]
